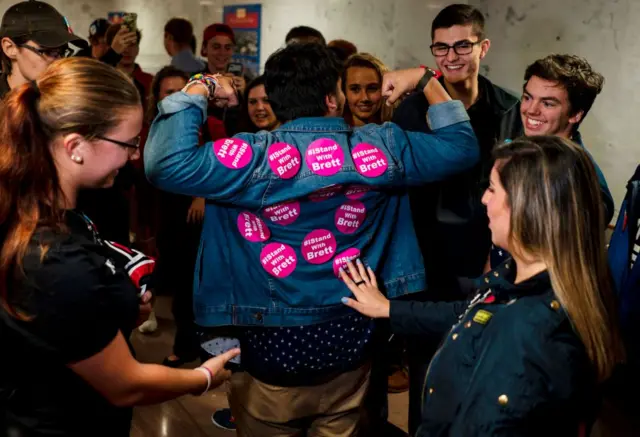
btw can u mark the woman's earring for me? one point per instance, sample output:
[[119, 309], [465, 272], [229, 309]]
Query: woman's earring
[[76, 158]]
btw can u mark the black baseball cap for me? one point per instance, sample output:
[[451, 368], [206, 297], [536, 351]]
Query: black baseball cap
[[99, 27], [39, 22]]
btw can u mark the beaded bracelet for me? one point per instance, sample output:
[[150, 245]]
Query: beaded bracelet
[[208, 81]]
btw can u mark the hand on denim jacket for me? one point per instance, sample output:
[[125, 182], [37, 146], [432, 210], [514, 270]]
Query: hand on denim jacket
[[362, 283]]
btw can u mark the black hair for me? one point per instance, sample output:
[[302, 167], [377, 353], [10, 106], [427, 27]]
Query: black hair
[[244, 123], [575, 74], [304, 32], [180, 29], [298, 78], [459, 15]]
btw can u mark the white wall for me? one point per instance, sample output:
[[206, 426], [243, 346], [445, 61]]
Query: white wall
[[604, 32], [398, 32]]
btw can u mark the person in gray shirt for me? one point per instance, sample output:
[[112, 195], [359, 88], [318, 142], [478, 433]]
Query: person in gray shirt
[[178, 35]]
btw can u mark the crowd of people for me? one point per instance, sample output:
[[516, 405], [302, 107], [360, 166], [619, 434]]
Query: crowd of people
[[330, 231]]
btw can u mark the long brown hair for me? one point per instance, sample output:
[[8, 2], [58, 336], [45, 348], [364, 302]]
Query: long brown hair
[[366, 60], [558, 218], [75, 95]]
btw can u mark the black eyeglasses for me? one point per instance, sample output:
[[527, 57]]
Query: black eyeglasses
[[134, 145], [460, 48], [57, 53]]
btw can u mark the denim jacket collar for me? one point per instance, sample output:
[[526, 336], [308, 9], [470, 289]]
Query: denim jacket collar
[[315, 124]]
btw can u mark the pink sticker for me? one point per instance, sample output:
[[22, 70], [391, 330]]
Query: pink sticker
[[283, 213], [342, 259], [325, 193], [356, 191], [349, 216], [252, 227], [319, 246], [324, 157], [233, 153], [278, 259], [284, 160], [369, 160]]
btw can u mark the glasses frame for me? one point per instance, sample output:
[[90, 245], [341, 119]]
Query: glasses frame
[[455, 47], [64, 53], [135, 146]]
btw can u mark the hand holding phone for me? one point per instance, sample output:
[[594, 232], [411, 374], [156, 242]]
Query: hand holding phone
[[130, 20], [221, 345], [235, 68]]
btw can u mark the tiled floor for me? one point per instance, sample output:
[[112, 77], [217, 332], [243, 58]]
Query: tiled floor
[[191, 416]]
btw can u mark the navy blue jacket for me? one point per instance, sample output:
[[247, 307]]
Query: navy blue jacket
[[510, 363]]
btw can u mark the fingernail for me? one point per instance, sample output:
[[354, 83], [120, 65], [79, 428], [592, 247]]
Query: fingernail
[[344, 300], [358, 261], [341, 270]]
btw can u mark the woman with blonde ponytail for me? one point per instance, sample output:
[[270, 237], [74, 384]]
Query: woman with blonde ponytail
[[526, 354]]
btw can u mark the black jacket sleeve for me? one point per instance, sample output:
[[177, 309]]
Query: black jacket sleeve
[[111, 58], [429, 318], [411, 115]]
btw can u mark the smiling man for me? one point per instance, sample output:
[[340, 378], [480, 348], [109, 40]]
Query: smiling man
[[450, 215], [449, 218], [558, 93]]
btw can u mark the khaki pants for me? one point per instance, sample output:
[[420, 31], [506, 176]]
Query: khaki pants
[[332, 409]]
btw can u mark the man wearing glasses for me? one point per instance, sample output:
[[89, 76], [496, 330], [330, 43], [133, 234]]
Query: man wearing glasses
[[449, 219], [33, 35]]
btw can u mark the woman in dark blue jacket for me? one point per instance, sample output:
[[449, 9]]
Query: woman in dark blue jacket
[[523, 356]]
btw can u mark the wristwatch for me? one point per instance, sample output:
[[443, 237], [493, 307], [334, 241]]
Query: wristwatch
[[428, 74]]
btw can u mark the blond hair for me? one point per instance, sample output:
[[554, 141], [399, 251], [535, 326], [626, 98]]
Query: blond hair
[[367, 60], [557, 217]]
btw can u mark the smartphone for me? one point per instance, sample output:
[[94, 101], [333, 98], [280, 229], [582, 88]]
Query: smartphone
[[219, 345], [235, 68], [130, 21]]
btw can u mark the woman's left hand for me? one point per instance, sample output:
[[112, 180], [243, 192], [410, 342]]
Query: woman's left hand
[[362, 283]]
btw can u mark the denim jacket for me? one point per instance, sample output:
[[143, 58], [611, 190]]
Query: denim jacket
[[287, 208]]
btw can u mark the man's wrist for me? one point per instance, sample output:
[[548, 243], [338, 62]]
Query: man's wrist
[[426, 77], [206, 82]]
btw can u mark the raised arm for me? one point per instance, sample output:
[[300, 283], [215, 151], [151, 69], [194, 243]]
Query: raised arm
[[175, 161], [450, 148]]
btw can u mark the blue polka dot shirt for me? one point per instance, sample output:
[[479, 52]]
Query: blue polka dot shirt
[[306, 354]]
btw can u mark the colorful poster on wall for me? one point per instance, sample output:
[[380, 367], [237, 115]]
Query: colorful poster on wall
[[115, 17], [245, 21]]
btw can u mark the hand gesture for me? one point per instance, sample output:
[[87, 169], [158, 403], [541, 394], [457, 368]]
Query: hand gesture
[[362, 283], [238, 82], [226, 93], [216, 365], [196, 211], [395, 84], [123, 39]]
